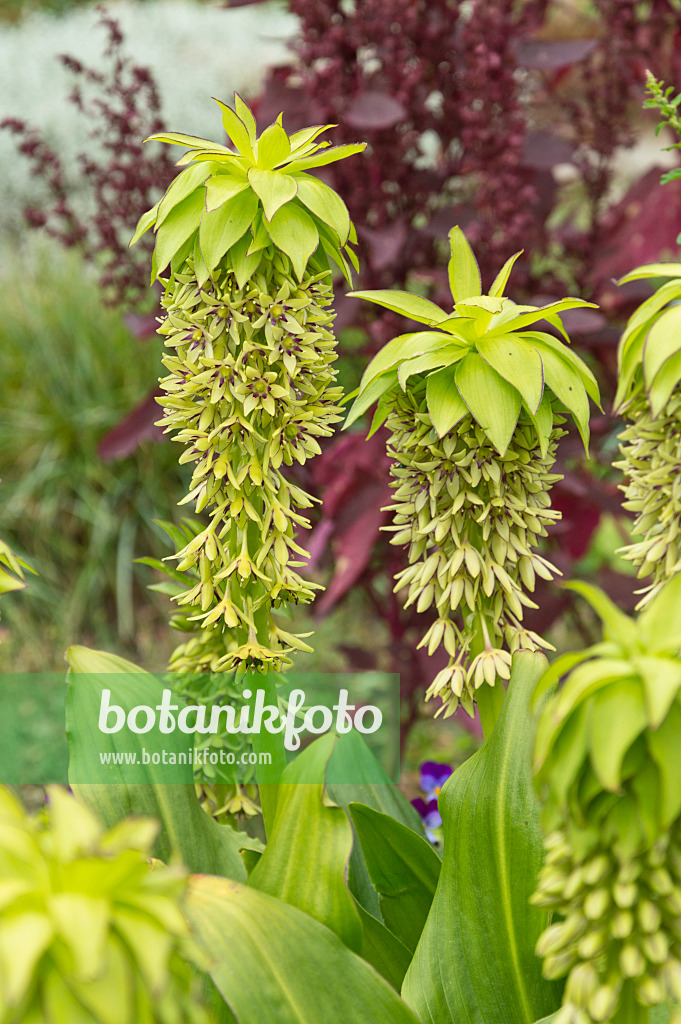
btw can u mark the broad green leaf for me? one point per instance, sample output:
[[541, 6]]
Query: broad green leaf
[[616, 625], [273, 147], [272, 188], [309, 846], [565, 352], [405, 346], [652, 270], [666, 380], [619, 717], [659, 623], [661, 683], [381, 414], [221, 188], [294, 232], [180, 223], [663, 341], [260, 237], [191, 141], [445, 405], [272, 962], [517, 362], [501, 280], [327, 156], [463, 269], [566, 383], [444, 356], [144, 223], [187, 831], [221, 228], [182, 186], [663, 744], [383, 950], [245, 115], [475, 963], [244, 265], [543, 424], [629, 359], [510, 320], [325, 204], [492, 402], [403, 868], [371, 393], [236, 130], [413, 306]]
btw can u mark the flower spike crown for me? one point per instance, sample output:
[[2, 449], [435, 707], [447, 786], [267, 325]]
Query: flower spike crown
[[474, 404], [244, 240]]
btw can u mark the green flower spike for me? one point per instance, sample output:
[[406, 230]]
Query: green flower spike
[[608, 771], [474, 404], [89, 933], [244, 240], [649, 397]]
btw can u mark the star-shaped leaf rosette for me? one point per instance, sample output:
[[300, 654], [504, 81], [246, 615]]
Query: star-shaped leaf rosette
[[474, 402], [244, 242]]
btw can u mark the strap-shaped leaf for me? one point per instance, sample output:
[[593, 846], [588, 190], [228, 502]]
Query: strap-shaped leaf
[[309, 846], [306, 136], [221, 228], [265, 954], [463, 269], [492, 401], [236, 130], [475, 963], [663, 340], [518, 363], [619, 718], [403, 868], [501, 280], [445, 405], [220, 188], [181, 222], [666, 379], [444, 356], [274, 147], [383, 950], [293, 231], [413, 306], [404, 346], [325, 204], [510, 320], [272, 188], [191, 141], [327, 156], [370, 394], [652, 270], [566, 383], [244, 113]]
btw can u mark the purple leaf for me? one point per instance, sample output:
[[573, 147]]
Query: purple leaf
[[136, 427], [548, 54], [141, 325], [374, 110], [385, 244], [544, 150]]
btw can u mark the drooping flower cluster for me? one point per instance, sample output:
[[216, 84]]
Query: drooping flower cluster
[[474, 404], [244, 237], [649, 396], [606, 764], [88, 931]]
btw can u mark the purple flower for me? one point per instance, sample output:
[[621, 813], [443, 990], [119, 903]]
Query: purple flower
[[430, 816], [434, 776]]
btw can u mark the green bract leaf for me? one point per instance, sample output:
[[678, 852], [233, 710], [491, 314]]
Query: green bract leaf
[[274, 147], [659, 623], [644, 314], [180, 223], [444, 356], [662, 342], [182, 186], [663, 744], [464, 272], [245, 115], [191, 141], [588, 380], [373, 391], [221, 228], [382, 950], [664, 383], [306, 136], [492, 402], [328, 156], [413, 306], [144, 223], [325, 204], [221, 188], [566, 383], [518, 363], [652, 270], [510, 320], [273, 188], [405, 346], [616, 625], [501, 280], [629, 365], [445, 405], [543, 424], [244, 266], [618, 718], [294, 232], [662, 683], [236, 130]]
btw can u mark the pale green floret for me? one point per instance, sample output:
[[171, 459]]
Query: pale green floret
[[474, 403]]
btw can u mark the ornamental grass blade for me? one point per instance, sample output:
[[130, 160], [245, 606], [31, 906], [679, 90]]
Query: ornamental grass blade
[[270, 961], [492, 401], [475, 962]]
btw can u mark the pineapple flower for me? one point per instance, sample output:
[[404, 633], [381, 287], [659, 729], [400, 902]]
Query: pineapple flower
[[89, 932], [474, 404], [607, 770], [244, 242], [649, 397]]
